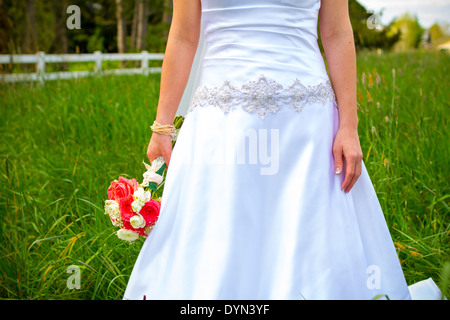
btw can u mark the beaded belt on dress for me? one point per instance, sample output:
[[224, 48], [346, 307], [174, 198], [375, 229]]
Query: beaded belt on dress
[[262, 96]]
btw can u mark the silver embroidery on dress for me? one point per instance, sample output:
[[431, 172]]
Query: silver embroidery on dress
[[262, 96]]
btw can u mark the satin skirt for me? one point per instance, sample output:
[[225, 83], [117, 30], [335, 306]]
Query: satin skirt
[[252, 209]]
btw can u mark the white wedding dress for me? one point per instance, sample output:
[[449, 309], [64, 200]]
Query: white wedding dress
[[252, 208]]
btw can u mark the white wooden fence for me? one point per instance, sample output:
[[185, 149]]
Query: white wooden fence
[[41, 59]]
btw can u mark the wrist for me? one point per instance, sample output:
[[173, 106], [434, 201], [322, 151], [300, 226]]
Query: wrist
[[164, 120], [348, 119], [164, 129], [164, 115], [349, 125]]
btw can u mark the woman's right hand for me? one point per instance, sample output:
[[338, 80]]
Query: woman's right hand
[[160, 145]]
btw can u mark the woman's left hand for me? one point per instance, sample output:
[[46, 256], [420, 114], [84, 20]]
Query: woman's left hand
[[346, 146]]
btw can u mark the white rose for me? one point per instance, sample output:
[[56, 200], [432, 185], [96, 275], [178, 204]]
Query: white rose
[[128, 235], [112, 209], [137, 221], [136, 206]]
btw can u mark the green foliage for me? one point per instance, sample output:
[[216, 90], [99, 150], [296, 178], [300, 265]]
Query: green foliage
[[436, 32], [410, 30], [12, 26], [99, 27], [365, 37], [156, 39], [95, 42]]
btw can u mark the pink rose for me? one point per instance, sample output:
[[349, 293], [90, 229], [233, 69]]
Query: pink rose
[[150, 211], [126, 211], [122, 188]]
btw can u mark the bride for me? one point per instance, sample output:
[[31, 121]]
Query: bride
[[266, 194]]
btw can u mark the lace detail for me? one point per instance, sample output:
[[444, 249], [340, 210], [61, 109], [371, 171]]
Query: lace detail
[[262, 96]]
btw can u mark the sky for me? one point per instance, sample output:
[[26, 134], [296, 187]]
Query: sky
[[427, 11]]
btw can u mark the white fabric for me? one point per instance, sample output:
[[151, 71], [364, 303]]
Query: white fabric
[[252, 208], [426, 290]]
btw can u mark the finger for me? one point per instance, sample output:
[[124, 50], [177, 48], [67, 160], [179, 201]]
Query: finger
[[166, 154], [358, 168], [152, 156], [338, 161], [349, 173], [352, 183]]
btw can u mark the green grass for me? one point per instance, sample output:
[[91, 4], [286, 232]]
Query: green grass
[[404, 104], [64, 142]]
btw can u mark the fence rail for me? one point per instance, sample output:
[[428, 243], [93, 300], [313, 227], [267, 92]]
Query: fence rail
[[41, 59]]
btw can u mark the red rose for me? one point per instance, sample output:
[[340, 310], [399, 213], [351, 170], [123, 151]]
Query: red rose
[[150, 211], [122, 188], [126, 211]]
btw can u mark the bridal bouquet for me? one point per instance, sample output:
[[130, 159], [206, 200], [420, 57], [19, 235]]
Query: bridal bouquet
[[130, 205]]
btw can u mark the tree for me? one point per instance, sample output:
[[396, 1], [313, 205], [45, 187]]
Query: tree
[[30, 36], [133, 39], [141, 24], [60, 43], [6, 31], [411, 32], [366, 36], [437, 31], [167, 16], [121, 28]]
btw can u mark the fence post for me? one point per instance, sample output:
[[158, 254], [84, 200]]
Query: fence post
[[144, 62], [98, 62], [40, 66]]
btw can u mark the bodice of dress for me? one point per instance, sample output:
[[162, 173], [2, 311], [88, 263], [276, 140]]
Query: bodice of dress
[[261, 54]]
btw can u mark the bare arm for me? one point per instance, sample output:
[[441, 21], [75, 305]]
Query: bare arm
[[338, 43], [337, 40], [180, 51]]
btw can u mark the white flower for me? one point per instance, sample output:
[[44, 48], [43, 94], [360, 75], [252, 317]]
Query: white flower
[[150, 176], [156, 164], [136, 206], [128, 235], [137, 221], [140, 197], [112, 209], [149, 167]]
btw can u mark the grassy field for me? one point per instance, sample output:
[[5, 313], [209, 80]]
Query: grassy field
[[64, 142]]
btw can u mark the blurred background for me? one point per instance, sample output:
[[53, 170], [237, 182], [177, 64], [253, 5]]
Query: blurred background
[[28, 26]]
